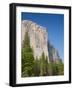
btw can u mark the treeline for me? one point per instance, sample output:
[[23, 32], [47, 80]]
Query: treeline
[[37, 67]]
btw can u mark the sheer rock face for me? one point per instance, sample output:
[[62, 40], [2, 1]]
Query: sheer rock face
[[39, 40], [53, 54], [38, 37]]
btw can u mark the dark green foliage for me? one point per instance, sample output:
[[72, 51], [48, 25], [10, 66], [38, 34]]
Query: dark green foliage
[[54, 69], [46, 66], [50, 71], [42, 65], [36, 67], [26, 42], [58, 68], [27, 58]]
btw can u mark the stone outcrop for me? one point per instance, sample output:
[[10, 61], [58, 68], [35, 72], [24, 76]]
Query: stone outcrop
[[38, 37], [39, 40], [53, 54]]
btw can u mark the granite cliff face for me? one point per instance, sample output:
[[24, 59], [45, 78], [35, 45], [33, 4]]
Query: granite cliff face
[[38, 37], [39, 40], [53, 54]]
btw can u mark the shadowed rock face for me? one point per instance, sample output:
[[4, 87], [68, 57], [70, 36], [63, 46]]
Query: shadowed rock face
[[53, 54], [38, 37]]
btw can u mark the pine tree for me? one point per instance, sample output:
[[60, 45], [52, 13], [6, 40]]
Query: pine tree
[[27, 57], [46, 66], [37, 67], [43, 65], [60, 67], [26, 42]]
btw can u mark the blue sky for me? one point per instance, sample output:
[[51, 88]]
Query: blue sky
[[55, 28]]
